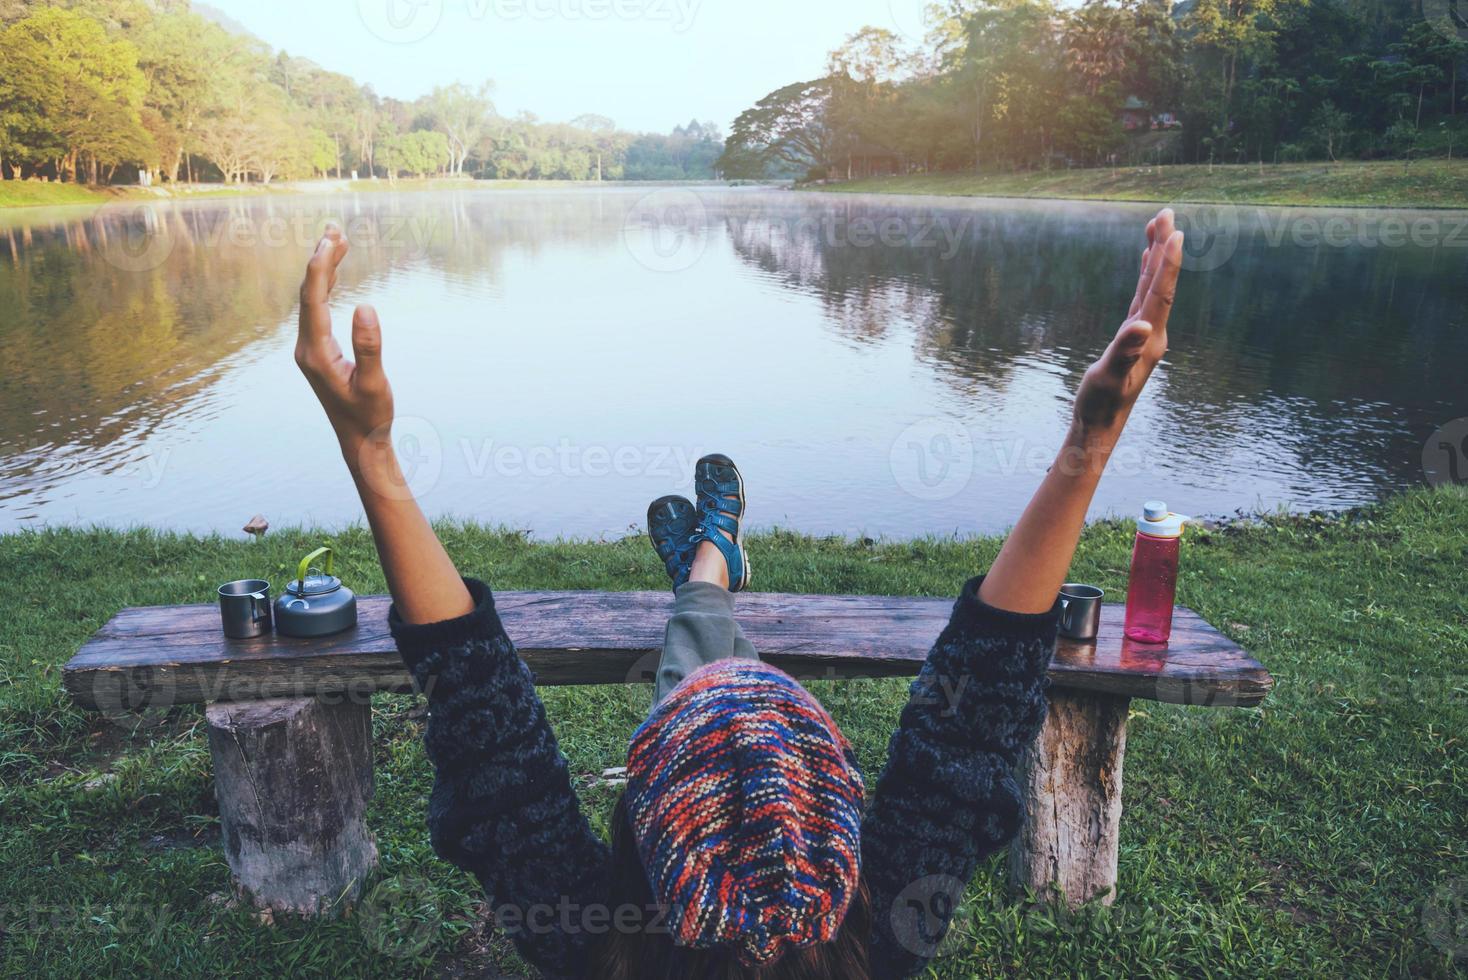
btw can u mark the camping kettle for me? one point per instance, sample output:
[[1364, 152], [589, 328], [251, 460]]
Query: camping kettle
[[315, 605]]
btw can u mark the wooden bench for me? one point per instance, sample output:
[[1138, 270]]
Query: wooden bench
[[290, 720]]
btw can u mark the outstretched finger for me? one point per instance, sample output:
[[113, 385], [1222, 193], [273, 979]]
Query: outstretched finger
[[1148, 266], [316, 287], [1142, 282], [367, 347], [1157, 305]]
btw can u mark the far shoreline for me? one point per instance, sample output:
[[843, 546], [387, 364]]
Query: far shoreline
[[20, 195], [1421, 185]]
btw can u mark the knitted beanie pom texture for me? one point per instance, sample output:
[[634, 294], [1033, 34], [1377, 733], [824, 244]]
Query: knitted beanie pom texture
[[746, 805]]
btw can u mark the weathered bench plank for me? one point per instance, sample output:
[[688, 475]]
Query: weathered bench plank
[[157, 656]]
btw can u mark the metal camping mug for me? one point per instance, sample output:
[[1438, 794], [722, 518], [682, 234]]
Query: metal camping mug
[[244, 606], [1080, 611]]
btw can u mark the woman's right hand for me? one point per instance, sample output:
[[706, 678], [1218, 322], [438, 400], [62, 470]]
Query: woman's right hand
[[356, 395]]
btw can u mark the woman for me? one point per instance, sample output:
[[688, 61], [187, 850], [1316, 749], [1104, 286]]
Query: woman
[[742, 847]]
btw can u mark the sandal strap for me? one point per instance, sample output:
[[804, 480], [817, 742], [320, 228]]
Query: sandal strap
[[724, 495], [714, 519]]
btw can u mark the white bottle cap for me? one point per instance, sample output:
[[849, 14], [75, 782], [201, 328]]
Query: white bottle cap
[[1159, 522]]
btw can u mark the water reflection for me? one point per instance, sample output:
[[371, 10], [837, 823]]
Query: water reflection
[[148, 375]]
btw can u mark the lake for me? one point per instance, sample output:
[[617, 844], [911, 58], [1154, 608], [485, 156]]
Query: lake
[[877, 366]]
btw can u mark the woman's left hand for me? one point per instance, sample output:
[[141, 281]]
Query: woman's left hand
[[356, 396]]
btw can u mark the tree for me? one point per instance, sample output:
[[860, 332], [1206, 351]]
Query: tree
[[72, 94], [787, 129], [461, 115], [1329, 126]]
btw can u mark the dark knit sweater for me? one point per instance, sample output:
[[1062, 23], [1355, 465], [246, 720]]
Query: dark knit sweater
[[503, 809]]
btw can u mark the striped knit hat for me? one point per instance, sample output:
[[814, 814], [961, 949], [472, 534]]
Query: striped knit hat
[[746, 804]]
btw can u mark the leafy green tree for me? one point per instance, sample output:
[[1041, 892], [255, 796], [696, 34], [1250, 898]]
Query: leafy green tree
[[72, 94], [785, 131]]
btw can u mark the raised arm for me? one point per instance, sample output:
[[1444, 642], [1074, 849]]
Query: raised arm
[[948, 796], [502, 806], [425, 586], [1032, 564]]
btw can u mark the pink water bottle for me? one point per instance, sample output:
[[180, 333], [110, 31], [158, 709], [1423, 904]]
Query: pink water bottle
[[1153, 588]]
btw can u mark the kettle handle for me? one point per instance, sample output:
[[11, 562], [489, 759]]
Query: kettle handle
[[305, 565]]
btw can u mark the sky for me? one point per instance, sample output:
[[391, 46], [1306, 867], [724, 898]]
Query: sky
[[646, 64]]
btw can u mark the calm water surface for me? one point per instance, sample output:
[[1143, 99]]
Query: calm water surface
[[561, 357]]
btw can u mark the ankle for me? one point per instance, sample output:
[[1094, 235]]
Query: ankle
[[709, 565]]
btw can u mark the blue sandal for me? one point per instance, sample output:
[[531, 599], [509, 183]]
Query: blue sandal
[[721, 508], [672, 523]]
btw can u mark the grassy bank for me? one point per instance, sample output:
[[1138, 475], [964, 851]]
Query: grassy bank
[[34, 193], [1424, 183], [1317, 835]]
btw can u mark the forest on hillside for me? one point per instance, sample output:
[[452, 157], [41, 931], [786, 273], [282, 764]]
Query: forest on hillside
[[1023, 84], [101, 91]]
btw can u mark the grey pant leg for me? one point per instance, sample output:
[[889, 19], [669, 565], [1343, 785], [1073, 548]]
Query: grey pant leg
[[701, 630]]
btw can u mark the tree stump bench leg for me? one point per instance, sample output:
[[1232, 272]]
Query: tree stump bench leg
[[1071, 779], [293, 777]]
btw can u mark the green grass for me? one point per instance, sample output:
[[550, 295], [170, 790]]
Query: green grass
[[34, 193], [1308, 837], [1392, 183]]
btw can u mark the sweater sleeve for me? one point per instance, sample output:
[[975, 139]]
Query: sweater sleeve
[[948, 796], [502, 807]]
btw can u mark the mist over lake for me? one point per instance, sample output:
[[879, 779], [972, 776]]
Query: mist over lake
[[878, 366]]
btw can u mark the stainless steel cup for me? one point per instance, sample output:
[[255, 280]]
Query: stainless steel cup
[[244, 607], [1080, 611]]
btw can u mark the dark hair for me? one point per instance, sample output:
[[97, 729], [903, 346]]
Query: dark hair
[[649, 953]]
